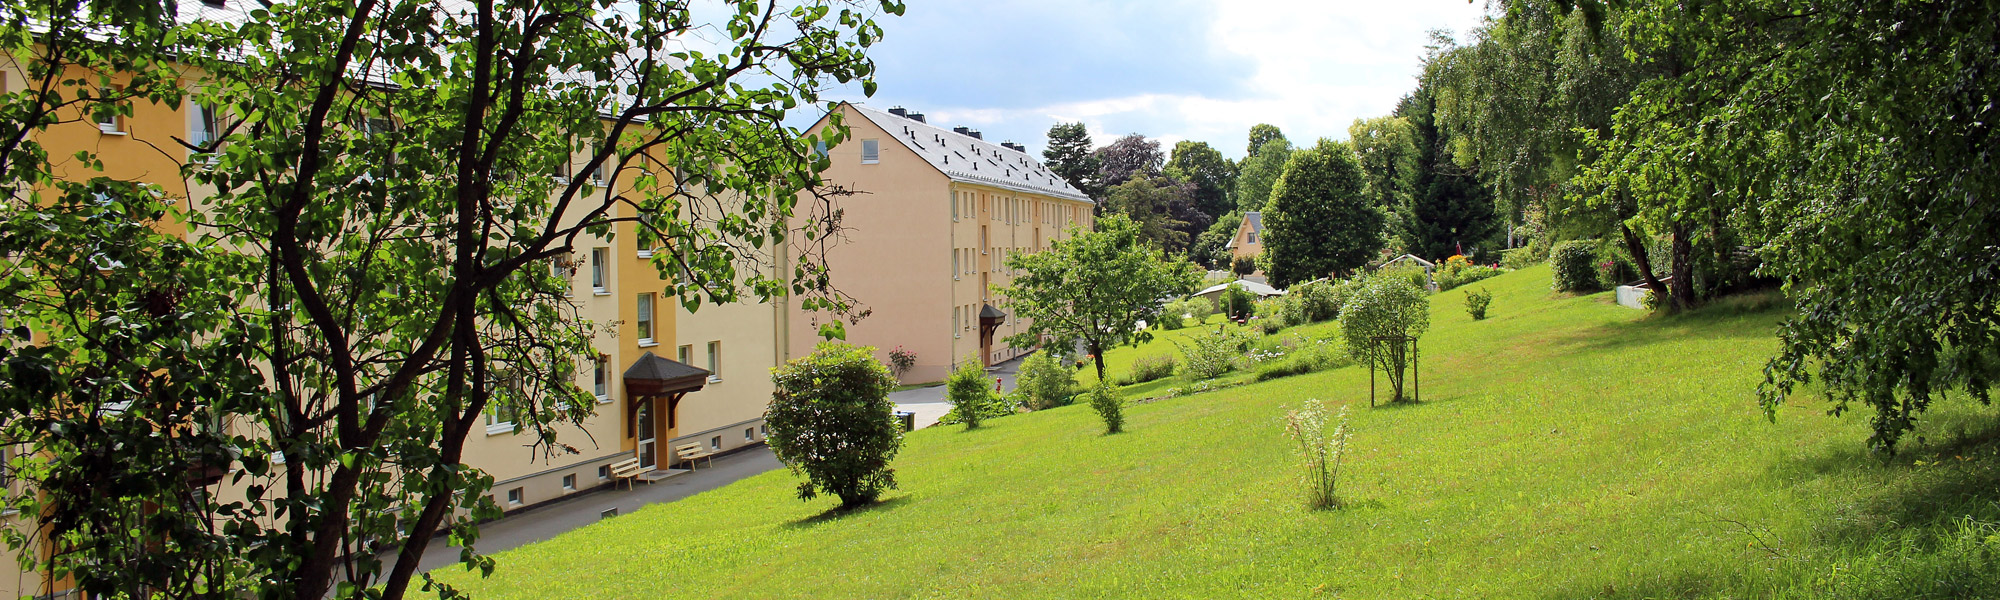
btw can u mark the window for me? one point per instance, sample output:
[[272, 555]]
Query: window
[[569, 482], [686, 354], [955, 270], [957, 317], [764, 429], [749, 434], [110, 121], [1253, 237], [645, 319], [871, 152], [602, 175], [516, 496], [819, 149], [715, 443], [203, 125], [604, 472], [602, 379], [600, 266], [715, 360], [499, 418], [954, 206], [563, 171]]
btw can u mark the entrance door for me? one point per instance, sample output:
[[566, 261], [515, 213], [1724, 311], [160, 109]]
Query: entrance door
[[649, 454]]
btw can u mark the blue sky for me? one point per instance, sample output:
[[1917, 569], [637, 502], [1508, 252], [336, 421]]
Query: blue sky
[[1170, 69]]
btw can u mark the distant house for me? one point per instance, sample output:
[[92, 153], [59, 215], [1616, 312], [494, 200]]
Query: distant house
[[1260, 290], [1249, 240]]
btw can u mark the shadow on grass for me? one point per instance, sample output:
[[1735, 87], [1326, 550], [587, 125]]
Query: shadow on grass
[[1932, 531], [1740, 320], [838, 513]]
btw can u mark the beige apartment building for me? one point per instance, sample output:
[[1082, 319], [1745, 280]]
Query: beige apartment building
[[1249, 239], [938, 212], [706, 380]]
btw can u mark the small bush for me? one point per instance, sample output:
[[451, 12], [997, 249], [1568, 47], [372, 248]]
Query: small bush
[[970, 394], [1574, 266], [1237, 302], [831, 421], [1476, 303], [1243, 265], [1210, 354], [1615, 267], [1453, 278], [1044, 382], [1198, 309], [1316, 301], [1270, 315], [1150, 368], [901, 361], [1320, 451], [1108, 406], [1519, 258]]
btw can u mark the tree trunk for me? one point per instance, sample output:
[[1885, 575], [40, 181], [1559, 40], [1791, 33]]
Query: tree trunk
[[1683, 268], [1097, 353], [1637, 247]]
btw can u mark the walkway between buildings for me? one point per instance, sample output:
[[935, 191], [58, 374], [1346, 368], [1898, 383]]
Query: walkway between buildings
[[544, 522], [929, 403]]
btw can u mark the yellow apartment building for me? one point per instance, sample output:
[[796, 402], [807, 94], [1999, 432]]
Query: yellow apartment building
[[662, 376], [938, 212]]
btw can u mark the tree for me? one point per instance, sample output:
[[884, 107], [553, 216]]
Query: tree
[[1261, 135], [1452, 214], [1387, 149], [1210, 249], [1319, 222], [1128, 158], [1212, 175], [1093, 287], [1258, 172], [1385, 306], [1069, 156], [371, 274], [969, 393], [1163, 208], [831, 421]]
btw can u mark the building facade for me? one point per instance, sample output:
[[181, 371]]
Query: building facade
[[1249, 239], [927, 235], [613, 283]]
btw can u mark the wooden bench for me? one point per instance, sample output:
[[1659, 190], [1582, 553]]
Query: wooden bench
[[693, 452], [628, 471]]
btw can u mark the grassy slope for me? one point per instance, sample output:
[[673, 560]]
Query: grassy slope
[[1566, 448]]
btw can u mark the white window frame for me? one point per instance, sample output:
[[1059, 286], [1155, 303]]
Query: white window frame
[[600, 271], [116, 124], [715, 361], [871, 152], [601, 378], [647, 320]]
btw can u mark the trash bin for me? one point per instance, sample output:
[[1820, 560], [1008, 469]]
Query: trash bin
[[908, 419]]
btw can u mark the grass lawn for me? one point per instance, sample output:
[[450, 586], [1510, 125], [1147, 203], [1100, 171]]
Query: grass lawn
[[1566, 448]]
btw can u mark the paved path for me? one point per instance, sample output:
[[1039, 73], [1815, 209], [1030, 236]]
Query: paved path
[[929, 402], [544, 522]]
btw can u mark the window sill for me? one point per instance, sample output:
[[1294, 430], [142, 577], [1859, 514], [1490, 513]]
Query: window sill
[[645, 254], [871, 162], [600, 292], [499, 429], [715, 379], [111, 132], [647, 343], [603, 399]]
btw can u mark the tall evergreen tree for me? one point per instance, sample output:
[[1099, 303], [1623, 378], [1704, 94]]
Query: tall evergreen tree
[[1069, 156]]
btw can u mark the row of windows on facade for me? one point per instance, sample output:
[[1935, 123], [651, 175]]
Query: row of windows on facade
[[205, 125], [519, 495], [1015, 211]]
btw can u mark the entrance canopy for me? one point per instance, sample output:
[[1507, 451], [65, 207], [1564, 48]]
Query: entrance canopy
[[652, 377]]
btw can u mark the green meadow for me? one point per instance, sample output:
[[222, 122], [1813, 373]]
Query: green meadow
[[1565, 447]]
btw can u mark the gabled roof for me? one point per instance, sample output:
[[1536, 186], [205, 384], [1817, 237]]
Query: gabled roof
[[967, 159], [1253, 220]]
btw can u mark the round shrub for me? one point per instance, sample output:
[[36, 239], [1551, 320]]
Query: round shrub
[[1574, 264], [970, 393], [1243, 265], [1044, 382], [1476, 302], [1316, 301], [831, 421]]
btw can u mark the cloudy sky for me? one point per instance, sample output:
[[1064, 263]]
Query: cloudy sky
[[1169, 69]]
